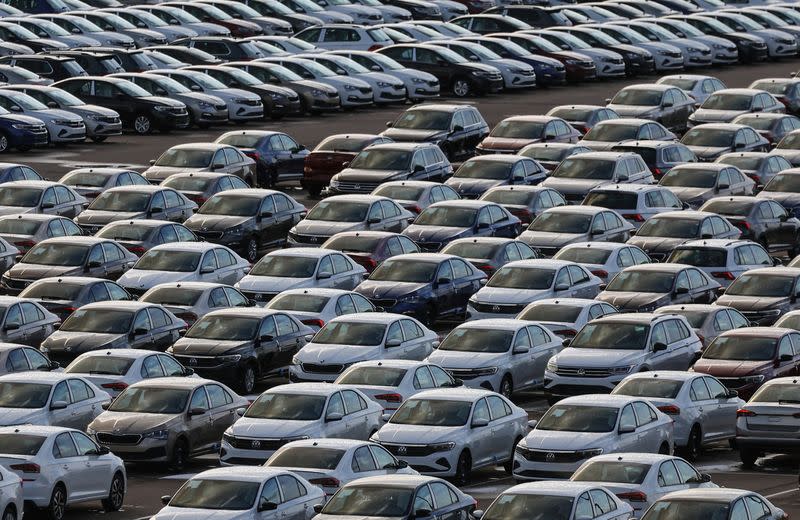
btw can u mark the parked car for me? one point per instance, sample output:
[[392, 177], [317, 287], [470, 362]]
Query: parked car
[[661, 233], [63, 295], [370, 248], [278, 157], [564, 317], [91, 182], [201, 157], [763, 295], [694, 184], [478, 174], [490, 253], [416, 195]]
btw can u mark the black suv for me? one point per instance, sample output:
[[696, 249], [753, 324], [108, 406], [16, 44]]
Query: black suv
[[137, 108], [93, 62], [47, 65]]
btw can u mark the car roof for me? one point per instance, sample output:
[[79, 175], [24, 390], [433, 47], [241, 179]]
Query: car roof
[[539, 262], [586, 210], [703, 166], [255, 312], [306, 388], [565, 301], [696, 307], [714, 242], [173, 382], [34, 429], [370, 317], [366, 233], [685, 214], [37, 377], [454, 394], [501, 158], [309, 252], [406, 146], [240, 473], [204, 175], [403, 481], [609, 246], [32, 183], [132, 305], [696, 77], [199, 146], [652, 86], [710, 494], [142, 222], [344, 444], [625, 121], [133, 353], [609, 156], [645, 458], [638, 188], [392, 363], [253, 192], [463, 203], [658, 267], [679, 375], [600, 400], [551, 487], [79, 280], [445, 107], [87, 240], [719, 126], [186, 246], [646, 143], [495, 324], [138, 188], [357, 197], [769, 332], [779, 270], [483, 240], [419, 184], [740, 91], [105, 170]]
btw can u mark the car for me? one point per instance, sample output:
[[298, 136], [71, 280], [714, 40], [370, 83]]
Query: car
[[636, 203], [299, 267], [784, 90], [664, 55], [419, 85], [81, 26], [759, 166], [415, 195], [370, 248], [278, 157], [751, 47], [607, 134], [296, 45], [11, 497], [478, 174], [19, 35], [609, 64], [788, 148], [54, 488], [773, 126], [708, 321], [695, 53], [694, 184], [68, 256], [711, 502], [428, 286], [579, 427], [524, 202], [113, 23], [516, 74], [91, 182], [329, 157], [549, 71], [560, 65], [638, 479], [288, 413], [351, 338], [602, 259], [722, 259], [457, 129], [490, 253], [173, 15], [762, 295], [501, 355], [445, 221], [101, 61], [723, 51], [200, 186], [556, 227], [517, 284], [397, 496], [145, 20], [25, 230], [138, 236], [189, 301], [340, 36], [582, 117], [268, 24], [207, 12], [15, 357], [514, 133], [318, 308], [247, 220], [45, 29], [662, 103], [19, 75], [697, 86], [62, 126], [702, 409], [168, 404], [458, 423], [779, 42], [549, 155], [63, 295], [608, 348], [661, 233], [115, 370], [711, 140], [564, 317], [201, 157], [723, 106], [39, 196], [405, 32], [50, 399]]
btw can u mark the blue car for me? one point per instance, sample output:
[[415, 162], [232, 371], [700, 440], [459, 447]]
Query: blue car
[[549, 71], [442, 222], [21, 132], [39, 6], [278, 156], [18, 172], [428, 286]]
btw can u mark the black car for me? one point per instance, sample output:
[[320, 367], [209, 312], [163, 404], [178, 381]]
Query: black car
[[13, 33], [536, 17], [188, 55], [455, 73], [275, 9], [137, 108], [242, 345], [228, 49], [247, 221], [751, 48], [209, 14], [138, 236], [278, 101], [132, 60], [49, 66], [96, 63], [64, 294]]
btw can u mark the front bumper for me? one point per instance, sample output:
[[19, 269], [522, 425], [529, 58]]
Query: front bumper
[[210, 116], [104, 128], [67, 134], [439, 463], [532, 464], [390, 95], [171, 120], [607, 69], [513, 80], [152, 450], [565, 386], [243, 112]]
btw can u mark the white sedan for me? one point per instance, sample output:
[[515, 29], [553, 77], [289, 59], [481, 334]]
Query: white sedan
[[61, 467], [603, 259], [239, 493], [294, 412], [565, 316], [11, 501], [332, 463], [317, 307]]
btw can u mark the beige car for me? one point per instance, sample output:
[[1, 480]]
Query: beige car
[[169, 419]]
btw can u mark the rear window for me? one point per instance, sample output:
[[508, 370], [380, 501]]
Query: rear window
[[53, 291], [699, 257], [658, 388], [101, 365], [343, 144], [648, 154], [21, 444], [611, 200], [307, 457], [373, 376]]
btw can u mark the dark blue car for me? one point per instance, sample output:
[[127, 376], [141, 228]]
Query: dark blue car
[[18, 172], [428, 286], [38, 6], [21, 132], [277, 155], [549, 71]]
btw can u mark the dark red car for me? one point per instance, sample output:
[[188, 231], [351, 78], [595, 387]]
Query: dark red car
[[369, 248], [211, 14], [579, 66], [331, 156]]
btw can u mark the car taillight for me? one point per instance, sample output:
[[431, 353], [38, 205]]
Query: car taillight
[[390, 398], [701, 338], [415, 209], [725, 275], [742, 224], [375, 47], [253, 155], [314, 323], [325, 482], [118, 386], [755, 177], [188, 317], [600, 273], [636, 217], [27, 467], [136, 250], [633, 496], [65, 310], [744, 412], [197, 199], [658, 171], [670, 409], [522, 214], [25, 243], [486, 268]]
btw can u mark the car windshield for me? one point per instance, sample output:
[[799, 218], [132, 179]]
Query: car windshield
[[612, 199], [690, 178], [584, 255], [145, 399], [773, 393], [638, 97], [572, 113], [471, 339], [18, 394], [669, 228], [339, 211], [180, 15], [681, 509], [686, 84], [58, 254], [491, 170], [172, 296], [188, 183], [762, 284], [64, 98], [790, 142], [468, 249], [530, 507], [205, 493], [306, 457], [613, 472], [511, 129], [511, 197], [447, 216], [229, 204], [784, 182], [642, 281], [369, 500], [122, 201], [626, 33], [18, 226], [285, 266], [225, 328], [287, 407], [185, 158], [650, 387], [433, 412], [21, 444], [104, 365], [424, 120], [405, 270], [714, 138], [612, 132], [19, 197], [373, 376], [585, 168], [574, 418], [299, 302], [351, 333], [757, 123], [382, 159], [528, 278], [344, 144], [561, 222], [54, 290], [699, 256], [127, 231], [103, 321], [167, 260], [353, 243], [612, 336], [86, 179], [741, 348], [552, 312], [726, 101], [24, 100]]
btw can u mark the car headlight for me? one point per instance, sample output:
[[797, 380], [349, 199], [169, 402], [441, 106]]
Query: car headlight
[[350, 87], [296, 360], [297, 438], [91, 432], [442, 446], [241, 101], [571, 62], [334, 183], [44, 348], [664, 53], [418, 81], [754, 379], [205, 105], [317, 92], [518, 71], [227, 437], [622, 370], [23, 126], [162, 108], [485, 371], [236, 230], [479, 73], [591, 452], [718, 46], [694, 49], [158, 435], [230, 358], [552, 365], [384, 84]]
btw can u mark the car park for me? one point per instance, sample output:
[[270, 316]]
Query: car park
[[664, 104], [415, 195], [90, 182], [138, 236], [278, 156], [708, 321], [609, 133], [201, 186]]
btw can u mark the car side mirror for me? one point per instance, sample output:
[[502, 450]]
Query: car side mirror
[[373, 220], [681, 290], [100, 450], [389, 124], [732, 393], [532, 423], [52, 104], [666, 104], [596, 231], [385, 417], [482, 225], [480, 423], [11, 326], [324, 275], [477, 514], [723, 186], [94, 264], [627, 428], [333, 417], [608, 101], [785, 357], [705, 477], [53, 365], [566, 342], [393, 343], [139, 331], [706, 236], [784, 217], [58, 405], [658, 347], [318, 508], [217, 166], [264, 214], [737, 146], [206, 270], [196, 88], [521, 350], [105, 406], [197, 411], [265, 505], [418, 168], [155, 210], [443, 281], [622, 177], [458, 128], [241, 411], [188, 372], [549, 136], [165, 499], [47, 205], [422, 513], [561, 287]]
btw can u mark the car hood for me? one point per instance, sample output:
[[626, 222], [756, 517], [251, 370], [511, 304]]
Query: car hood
[[273, 428], [553, 440], [403, 134], [93, 110], [455, 359], [101, 217], [598, 357], [14, 416], [708, 115], [657, 244], [507, 143], [188, 513], [474, 185], [125, 422], [543, 239], [334, 354], [432, 233], [629, 300], [19, 118], [786, 199], [687, 194], [202, 347], [573, 185], [378, 290], [359, 175], [414, 434], [318, 227], [725, 367], [199, 97], [272, 284], [199, 222], [75, 342], [751, 303], [502, 295], [51, 114], [138, 279], [631, 110], [35, 272]]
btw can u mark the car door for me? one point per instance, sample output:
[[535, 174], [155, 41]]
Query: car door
[[659, 358], [34, 329], [294, 505], [67, 204], [344, 274], [616, 230], [582, 285], [722, 410], [415, 345], [228, 272], [141, 336], [446, 502], [13, 326], [629, 440], [222, 413], [502, 428], [336, 429], [445, 289], [115, 263], [391, 217], [83, 408], [357, 416], [668, 479], [289, 340], [95, 468], [481, 437], [267, 347], [395, 346], [464, 286], [284, 217], [543, 348], [73, 468], [161, 332], [176, 208], [502, 225], [786, 231], [647, 426]]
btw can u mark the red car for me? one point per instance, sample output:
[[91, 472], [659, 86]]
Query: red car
[[331, 156], [579, 66]]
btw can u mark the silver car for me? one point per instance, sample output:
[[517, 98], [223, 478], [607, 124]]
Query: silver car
[[140, 235], [115, 24], [62, 126], [420, 85], [516, 74], [564, 317], [47, 197], [24, 231], [22, 358], [602, 259], [709, 321], [699, 87], [144, 20], [723, 51], [768, 420], [353, 92], [191, 301], [91, 182]]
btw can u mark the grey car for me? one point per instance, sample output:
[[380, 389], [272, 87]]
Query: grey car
[[695, 183], [22, 76], [24, 231], [81, 26], [724, 105], [607, 134], [764, 295], [21, 358], [416, 195], [773, 126], [25, 321], [785, 90], [40, 197], [191, 301], [139, 236], [144, 20], [63, 295], [201, 186], [583, 117], [478, 174], [697, 86], [550, 155], [525, 202], [789, 148], [47, 29], [201, 157], [709, 141], [708, 321], [664, 104], [661, 233], [490, 253], [91, 182], [115, 24]]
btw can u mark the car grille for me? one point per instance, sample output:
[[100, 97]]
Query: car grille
[[498, 308], [252, 102], [198, 361], [116, 438], [210, 234], [333, 94], [365, 90], [619, 61], [553, 457], [495, 76], [73, 124], [309, 239], [386, 304], [465, 374], [675, 54], [178, 111], [315, 368], [16, 284], [108, 119], [583, 372], [221, 107], [259, 297], [761, 316], [256, 444], [406, 450], [433, 83], [356, 187], [430, 246], [733, 382]]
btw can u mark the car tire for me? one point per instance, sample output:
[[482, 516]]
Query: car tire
[[142, 124], [314, 190], [461, 87], [24, 148], [663, 449], [10, 513], [428, 317], [116, 494], [98, 138], [4, 146], [694, 446], [58, 503], [506, 387], [463, 468], [748, 457], [248, 384], [179, 456], [250, 252], [508, 466]]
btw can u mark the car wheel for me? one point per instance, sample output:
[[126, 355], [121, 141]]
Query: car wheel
[[694, 446], [251, 250], [58, 503], [506, 386], [748, 456], [463, 468], [314, 190], [248, 383], [116, 494], [428, 317], [461, 87], [663, 449], [508, 466], [98, 138], [180, 455], [3, 143], [10, 513], [142, 125]]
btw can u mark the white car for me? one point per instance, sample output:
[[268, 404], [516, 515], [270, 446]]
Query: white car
[[317, 307], [699, 87], [709, 321], [722, 259], [565, 316], [242, 493], [603, 259], [62, 467], [702, 409], [336, 36], [22, 358], [294, 412], [419, 84], [636, 202], [332, 463], [641, 478], [518, 283], [360, 337], [581, 427], [62, 126], [450, 432], [184, 262], [389, 382], [115, 370], [551, 500], [609, 348], [50, 198], [11, 498], [385, 87], [502, 355], [299, 267], [190, 301], [49, 398]]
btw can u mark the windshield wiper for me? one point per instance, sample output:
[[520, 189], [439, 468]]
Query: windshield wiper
[[788, 401]]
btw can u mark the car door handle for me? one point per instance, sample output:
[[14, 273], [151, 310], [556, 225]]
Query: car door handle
[[65, 466]]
